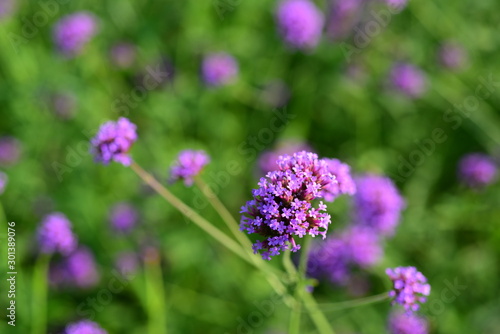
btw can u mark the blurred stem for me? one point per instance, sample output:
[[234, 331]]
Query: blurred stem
[[39, 303], [354, 303], [210, 229], [190, 213], [155, 293], [232, 224]]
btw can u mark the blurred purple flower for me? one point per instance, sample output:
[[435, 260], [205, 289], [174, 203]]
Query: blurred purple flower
[[363, 246], [84, 327], [10, 151], [63, 104], [477, 170], [402, 323], [268, 160], [397, 4], [377, 204], [343, 16], [123, 217], [300, 23], [81, 268], [344, 185], [408, 80], [113, 141], [281, 207], [329, 259], [409, 287], [55, 234], [4, 179], [219, 69], [73, 32], [127, 263], [189, 163], [452, 56], [123, 54], [6, 8]]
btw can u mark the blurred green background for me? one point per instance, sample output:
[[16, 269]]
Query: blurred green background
[[450, 233]]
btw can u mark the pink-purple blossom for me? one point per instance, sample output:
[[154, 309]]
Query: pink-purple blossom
[[189, 163], [113, 141], [84, 327], [73, 32], [55, 235], [403, 323], [410, 287], [477, 170], [219, 69], [408, 80]]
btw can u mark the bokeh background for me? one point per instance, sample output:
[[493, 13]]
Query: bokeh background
[[340, 103]]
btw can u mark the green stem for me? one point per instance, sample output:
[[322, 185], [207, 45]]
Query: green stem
[[39, 286], [155, 293], [354, 303], [294, 327]]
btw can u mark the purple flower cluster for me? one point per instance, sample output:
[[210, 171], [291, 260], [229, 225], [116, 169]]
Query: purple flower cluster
[[219, 69], [10, 151], [300, 23], [452, 56], [127, 264], [477, 170], [81, 268], [333, 258], [113, 141], [84, 327], [73, 32], [378, 204], [402, 323], [409, 287], [408, 80], [6, 8], [345, 185], [189, 163], [3, 182], [55, 234], [123, 217], [343, 16], [281, 207], [123, 54], [268, 160]]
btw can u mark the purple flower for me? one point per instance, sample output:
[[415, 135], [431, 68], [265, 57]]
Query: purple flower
[[409, 287], [343, 16], [73, 32], [10, 151], [408, 80], [6, 8], [344, 185], [123, 54], [282, 207], [268, 161], [402, 323], [377, 204], [3, 182], [189, 164], [219, 69], [477, 170], [123, 217], [363, 246], [113, 141], [63, 104], [127, 264], [452, 56], [55, 235], [330, 260], [81, 268], [300, 23], [84, 327]]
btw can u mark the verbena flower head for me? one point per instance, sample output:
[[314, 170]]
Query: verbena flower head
[[300, 23], [127, 264], [81, 268], [363, 246], [268, 161], [3, 182], [123, 217], [343, 17], [113, 142], [73, 32], [477, 170], [410, 287], [282, 208], [84, 327], [329, 260], [10, 150], [219, 69], [55, 234], [123, 54], [345, 183], [408, 80], [402, 323], [189, 163], [378, 204], [452, 56]]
